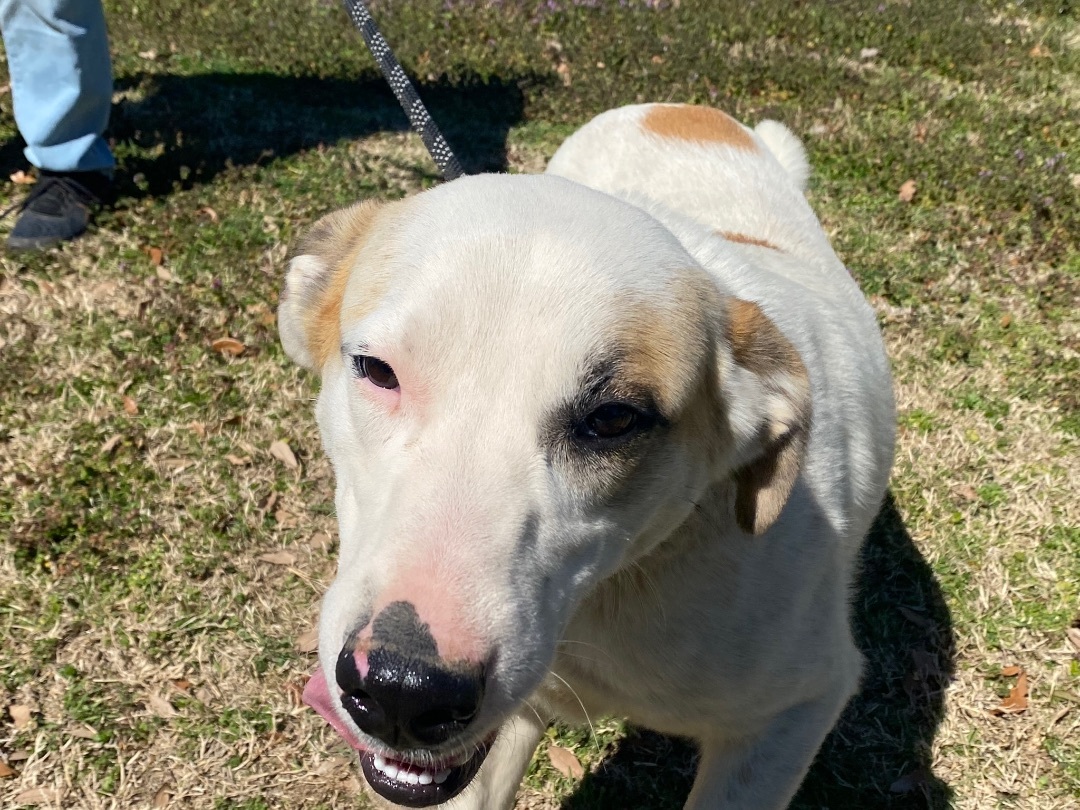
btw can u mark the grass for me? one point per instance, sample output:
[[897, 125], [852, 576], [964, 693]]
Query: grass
[[151, 653]]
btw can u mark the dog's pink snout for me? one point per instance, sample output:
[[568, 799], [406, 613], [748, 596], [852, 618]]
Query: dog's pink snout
[[400, 690]]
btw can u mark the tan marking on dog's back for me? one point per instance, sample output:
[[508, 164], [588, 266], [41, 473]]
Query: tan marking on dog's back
[[338, 239], [687, 122], [743, 239]]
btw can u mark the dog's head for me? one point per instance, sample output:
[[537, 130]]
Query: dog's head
[[525, 386]]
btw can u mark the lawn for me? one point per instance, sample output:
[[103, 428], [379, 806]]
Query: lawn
[[166, 513]]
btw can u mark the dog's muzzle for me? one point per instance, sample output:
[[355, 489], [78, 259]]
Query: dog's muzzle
[[396, 689]]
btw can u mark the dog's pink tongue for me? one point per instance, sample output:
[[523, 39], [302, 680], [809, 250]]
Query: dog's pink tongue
[[317, 696]]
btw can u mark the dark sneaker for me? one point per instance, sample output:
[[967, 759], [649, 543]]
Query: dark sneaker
[[58, 208]]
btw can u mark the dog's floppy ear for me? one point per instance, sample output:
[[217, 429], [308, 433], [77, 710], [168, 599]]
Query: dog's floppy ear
[[767, 393], [309, 315]]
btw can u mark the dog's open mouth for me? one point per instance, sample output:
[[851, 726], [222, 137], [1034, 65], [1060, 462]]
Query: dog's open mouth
[[412, 785], [402, 781]]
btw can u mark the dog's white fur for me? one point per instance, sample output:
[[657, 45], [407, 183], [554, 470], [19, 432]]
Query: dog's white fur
[[699, 583]]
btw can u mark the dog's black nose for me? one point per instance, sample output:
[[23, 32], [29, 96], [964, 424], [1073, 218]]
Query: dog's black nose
[[408, 695], [407, 701]]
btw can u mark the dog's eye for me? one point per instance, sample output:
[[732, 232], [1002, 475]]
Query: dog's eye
[[378, 372], [610, 421]]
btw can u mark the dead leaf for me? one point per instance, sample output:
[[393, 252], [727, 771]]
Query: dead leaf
[[907, 191], [149, 55], [967, 492], [110, 444], [156, 254], [1073, 635], [1062, 713], [161, 798], [38, 796], [1011, 672], [657, 59], [83, 732], [21, 178], [920, 131], [238, 461], [271, 499], [320, 541], [19, 756], [308, 642], [164, 274], [131, 407], [1040, 51], [565, 762], [1016, 701], [1006, 320], [869, 53], [20, 715], [563, 70], [228, 345], [181, 685], [161, 707], [210, 212], [278, 557], [198, 428], [285, 519], [283, 453], [6, 771]]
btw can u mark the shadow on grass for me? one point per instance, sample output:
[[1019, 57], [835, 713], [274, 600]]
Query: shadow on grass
[[879, 754], [174, 132]]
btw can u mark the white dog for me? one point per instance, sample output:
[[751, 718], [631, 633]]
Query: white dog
[[607, 441]]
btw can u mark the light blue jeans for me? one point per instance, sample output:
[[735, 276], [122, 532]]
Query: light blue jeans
[[61, 81]]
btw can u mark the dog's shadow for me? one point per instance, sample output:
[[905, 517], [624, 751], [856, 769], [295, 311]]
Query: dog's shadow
[[879, 754]]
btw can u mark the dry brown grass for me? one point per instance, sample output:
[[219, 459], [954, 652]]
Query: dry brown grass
[[151, 655]]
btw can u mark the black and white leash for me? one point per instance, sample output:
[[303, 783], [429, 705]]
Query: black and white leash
[[406, 94]]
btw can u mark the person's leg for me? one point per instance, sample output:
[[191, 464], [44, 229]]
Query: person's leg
[[61, 86], [61, 81]]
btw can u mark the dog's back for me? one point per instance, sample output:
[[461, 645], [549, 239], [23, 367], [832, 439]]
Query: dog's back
[[735, 197], [741, 183]]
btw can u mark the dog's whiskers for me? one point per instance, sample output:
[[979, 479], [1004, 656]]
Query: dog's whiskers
[[592, 728], [532, 708], [588, 644]]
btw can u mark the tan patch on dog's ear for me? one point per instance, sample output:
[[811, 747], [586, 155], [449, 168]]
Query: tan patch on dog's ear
[[764, 485], [687, 122], [662, 349], [309, 317], [743, 239]]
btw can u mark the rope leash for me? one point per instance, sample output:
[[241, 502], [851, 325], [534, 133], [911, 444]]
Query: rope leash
[[406, 94]]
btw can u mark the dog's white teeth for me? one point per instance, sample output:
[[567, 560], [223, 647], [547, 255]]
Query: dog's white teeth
[[406, 775], [389, 768]]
